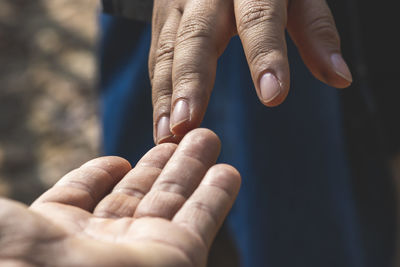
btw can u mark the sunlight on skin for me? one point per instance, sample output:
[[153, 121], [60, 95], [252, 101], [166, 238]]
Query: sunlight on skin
[[107, 214]]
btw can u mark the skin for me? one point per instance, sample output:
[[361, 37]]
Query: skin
[[188, 37], [163, 212]]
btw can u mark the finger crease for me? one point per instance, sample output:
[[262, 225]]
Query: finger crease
[[187, 227], [206, 209], [174, 188], [109, 175], [132, 192], [107, 214], [78, 185], [215, 185]]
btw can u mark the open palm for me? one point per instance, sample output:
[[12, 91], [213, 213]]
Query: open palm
[[164, 212]]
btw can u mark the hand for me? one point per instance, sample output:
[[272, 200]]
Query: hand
[[164, 212], [188, 36]]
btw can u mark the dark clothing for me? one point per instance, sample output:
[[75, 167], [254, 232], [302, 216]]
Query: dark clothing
[[316, 189], [139, 10]]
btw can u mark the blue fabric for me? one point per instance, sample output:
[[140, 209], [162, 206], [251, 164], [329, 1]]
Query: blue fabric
[[296, 206], [125, 88]]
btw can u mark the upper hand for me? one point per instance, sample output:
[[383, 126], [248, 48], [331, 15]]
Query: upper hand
[[164, 212], [188, 36]]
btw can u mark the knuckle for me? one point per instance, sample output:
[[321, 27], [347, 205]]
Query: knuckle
[[254, 14], [260, 52], [197, 26], [185, 77], [161, 98], [173, 187], [192, 82], [131, 191], [161, 82], [165, 51], [162, 74], [188, 71]]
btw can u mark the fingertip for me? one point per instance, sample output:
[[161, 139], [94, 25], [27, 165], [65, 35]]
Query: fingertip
[[166, 140], [226, 177], [203, 135], [167, 146], [161, 148], [181, 128], [163, 133], [312, 28], [202, 144], [174, 139], [337, 82], [180, 122], [114, 165], [272, 90], [270, 87], [333, 72], [341, 69], [177, 139], [111, 161], [158, 155]]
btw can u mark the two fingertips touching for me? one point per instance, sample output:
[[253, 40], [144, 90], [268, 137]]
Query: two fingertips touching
[[170, 128], [180, 117], [166, 132]]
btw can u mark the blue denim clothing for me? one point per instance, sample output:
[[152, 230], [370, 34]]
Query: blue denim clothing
[[296, 206]]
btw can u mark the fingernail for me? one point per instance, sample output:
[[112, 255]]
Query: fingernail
[[341, 67], [269, 87], [181, 113], [163, 131]]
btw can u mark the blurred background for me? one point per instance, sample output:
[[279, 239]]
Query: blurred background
[[48, 101]]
